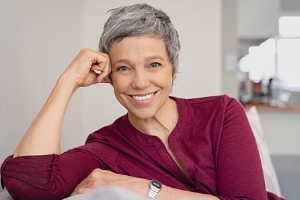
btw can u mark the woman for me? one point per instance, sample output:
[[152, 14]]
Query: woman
[[194, 148]]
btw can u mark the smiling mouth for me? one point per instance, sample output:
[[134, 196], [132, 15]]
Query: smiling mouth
[[144, 97]]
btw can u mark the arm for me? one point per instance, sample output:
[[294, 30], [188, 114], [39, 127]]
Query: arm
[[239, 173], [100, 178], [43, 136], [239, 170], [48, 176], [37, 170]]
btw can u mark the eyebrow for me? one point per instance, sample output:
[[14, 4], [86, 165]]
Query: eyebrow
[[155, 57], [147, 59], [120, 60]]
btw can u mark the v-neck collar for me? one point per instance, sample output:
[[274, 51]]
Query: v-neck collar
[[185, 113], [149, 140]]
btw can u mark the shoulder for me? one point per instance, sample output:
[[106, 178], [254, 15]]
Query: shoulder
[[105, 133], [213, 102], [219, 99]]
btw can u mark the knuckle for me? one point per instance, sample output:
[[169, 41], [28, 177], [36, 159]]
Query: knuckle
[[95, 173], [95, 183], [84, 51], [81, 190], [107, 56], [97, 170]]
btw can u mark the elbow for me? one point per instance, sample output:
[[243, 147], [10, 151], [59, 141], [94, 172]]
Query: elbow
[[20, 190]]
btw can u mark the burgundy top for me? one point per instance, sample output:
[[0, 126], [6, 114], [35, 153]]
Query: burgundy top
[[212, 138]]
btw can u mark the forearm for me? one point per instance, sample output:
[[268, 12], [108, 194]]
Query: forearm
[[168, 193], [100, 178], [43, 135]]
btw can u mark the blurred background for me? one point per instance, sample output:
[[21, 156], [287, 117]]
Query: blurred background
[[246, 49]]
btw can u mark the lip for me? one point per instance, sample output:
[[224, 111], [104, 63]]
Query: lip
[[142, 99]]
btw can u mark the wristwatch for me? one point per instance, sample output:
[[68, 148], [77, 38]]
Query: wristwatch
[[154, 188]]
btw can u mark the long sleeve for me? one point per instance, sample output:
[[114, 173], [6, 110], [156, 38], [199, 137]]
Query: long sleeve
[[239, 170], [216, 144], [47, 176]]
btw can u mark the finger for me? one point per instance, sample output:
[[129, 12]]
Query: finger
[[96, 60], [83, 187], [104, 76], [101, 65], [96, 69], [91, 182], [81, 190], [82, 183]]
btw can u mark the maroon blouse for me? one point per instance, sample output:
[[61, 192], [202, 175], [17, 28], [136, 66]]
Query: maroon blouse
[[212, 138]]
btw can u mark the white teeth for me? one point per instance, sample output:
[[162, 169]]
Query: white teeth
[[143, 98]]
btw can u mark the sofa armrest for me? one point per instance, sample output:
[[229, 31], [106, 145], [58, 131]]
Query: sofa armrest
[[4, 195]]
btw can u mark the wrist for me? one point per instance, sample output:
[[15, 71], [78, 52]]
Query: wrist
[[67, 83], [154, 188]]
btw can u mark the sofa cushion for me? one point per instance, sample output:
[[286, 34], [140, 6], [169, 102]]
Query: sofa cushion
[[270, 176], [4, 195]]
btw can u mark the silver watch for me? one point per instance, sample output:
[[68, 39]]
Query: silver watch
[[154, 188]]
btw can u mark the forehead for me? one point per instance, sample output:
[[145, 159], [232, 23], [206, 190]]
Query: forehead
[[138, 47]]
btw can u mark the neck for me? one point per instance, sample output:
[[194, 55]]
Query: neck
[[161, 124]]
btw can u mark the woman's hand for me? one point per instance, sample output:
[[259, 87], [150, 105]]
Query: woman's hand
[[98, 178], [88, 67]]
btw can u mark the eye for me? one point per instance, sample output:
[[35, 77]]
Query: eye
[[155, 65], [123, 68]]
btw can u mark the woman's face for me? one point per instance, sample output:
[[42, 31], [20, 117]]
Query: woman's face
[[141, 75]]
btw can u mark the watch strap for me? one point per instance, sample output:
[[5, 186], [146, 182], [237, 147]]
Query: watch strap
[[154, 188]]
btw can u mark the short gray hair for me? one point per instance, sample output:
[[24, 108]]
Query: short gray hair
[[137, 20]]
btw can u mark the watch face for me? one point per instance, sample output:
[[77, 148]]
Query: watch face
[[156, 184]]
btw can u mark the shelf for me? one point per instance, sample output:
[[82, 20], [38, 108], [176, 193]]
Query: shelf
[[269, 108]]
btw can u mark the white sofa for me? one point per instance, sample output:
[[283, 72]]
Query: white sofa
[[107, 193], [282, 172]]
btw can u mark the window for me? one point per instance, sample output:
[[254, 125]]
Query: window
[[277, 57]]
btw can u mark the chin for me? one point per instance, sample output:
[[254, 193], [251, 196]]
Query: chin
[[141, 114]]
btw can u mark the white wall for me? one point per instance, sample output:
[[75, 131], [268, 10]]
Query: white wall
[[40, 38], [290, 7], [229, 48], [258, 18]]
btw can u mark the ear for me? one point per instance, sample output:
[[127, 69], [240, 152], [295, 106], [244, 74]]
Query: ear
[[174, 76], [174, 72]]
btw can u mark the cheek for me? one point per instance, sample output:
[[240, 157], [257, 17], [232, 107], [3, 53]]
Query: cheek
[[119, 83], [166, 79]]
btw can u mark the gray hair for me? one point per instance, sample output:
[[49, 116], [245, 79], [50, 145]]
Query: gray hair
[[137, 20]]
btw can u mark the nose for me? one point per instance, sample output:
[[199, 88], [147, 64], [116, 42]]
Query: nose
[[140, 80]]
